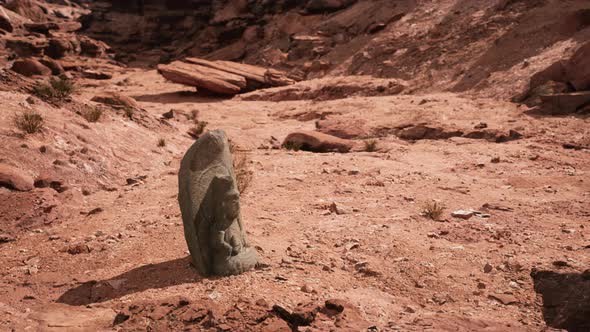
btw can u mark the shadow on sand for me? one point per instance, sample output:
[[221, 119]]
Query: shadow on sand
[[566, 299], [179, 97], [150, 276]]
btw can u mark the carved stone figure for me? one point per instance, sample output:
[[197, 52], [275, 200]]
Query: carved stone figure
[[210, 205]]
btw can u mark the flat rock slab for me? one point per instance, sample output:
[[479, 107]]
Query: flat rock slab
[[561, 103], [61, 317], [223, 77], [15, 179], [316, 142]]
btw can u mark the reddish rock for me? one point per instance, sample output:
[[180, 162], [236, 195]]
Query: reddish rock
[[60, 47], [316, 142], [564, 103], [210, 79], [42, 28], [91, 47], [15, 179], [343, 128], [26, 47], [96, 75], [56, 67], [578, 68], [30, 67], [115, 99]]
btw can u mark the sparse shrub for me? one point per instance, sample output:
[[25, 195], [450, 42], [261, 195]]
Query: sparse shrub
[[92, 114], [198, 130], [194, 116], [161, 143], [56, 90], [243, 173], [371, 145], [293, 146], [129, 111], [433, 210], [29, 121]]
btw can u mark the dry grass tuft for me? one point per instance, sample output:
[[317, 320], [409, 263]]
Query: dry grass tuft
[[371, 145], [92, 114], [29, 121], [433, 210], [244, 174], [56, 90]]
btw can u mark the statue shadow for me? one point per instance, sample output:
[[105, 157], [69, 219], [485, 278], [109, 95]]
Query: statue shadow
[[151, 276], [566, 299], [184, 96]]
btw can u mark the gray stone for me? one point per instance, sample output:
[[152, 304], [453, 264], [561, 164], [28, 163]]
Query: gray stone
[[210, 205]]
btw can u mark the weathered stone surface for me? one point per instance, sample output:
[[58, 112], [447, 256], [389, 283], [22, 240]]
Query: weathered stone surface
[[30, 67], [223, 77], [56, 67], [14, 179], [202, 77], [42, 28], [25, 47], [92, 47], [60, 47], [347, 129], [563, 103], [316, 142], [115, 99], [315, 6], [578, 68], [210, 205]]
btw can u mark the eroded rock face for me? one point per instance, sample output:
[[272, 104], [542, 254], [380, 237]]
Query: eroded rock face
[[210, 205]]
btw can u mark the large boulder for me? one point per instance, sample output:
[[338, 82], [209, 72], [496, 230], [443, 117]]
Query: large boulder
[[30, 67], [60, 47], [564, 103], [15, 179], [316, 142], [578, 68], [210, 79]]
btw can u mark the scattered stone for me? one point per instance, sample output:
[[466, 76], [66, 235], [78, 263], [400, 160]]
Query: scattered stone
[[505, 299], [307, 289], [79, 248], [96, 75], [15, 179], [462, 214], [339, 209], [56, 67], [5, 238], [316, 142], [94, 211], [168, 115], [560, 263], [488, 268]]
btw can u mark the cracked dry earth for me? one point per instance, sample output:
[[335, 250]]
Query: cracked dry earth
[[327, 226]]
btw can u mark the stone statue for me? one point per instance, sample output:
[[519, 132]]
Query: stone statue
[[210, 205]]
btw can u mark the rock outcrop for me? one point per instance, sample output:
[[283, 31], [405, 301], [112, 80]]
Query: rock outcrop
[[223, 77]]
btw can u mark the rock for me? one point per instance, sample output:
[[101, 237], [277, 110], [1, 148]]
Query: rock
[[42, 28], [96, 75], [319, 6], [316, 142], [422, 131], [210, 206], [224, 77], [49, 181], [30, 67], [27, 8], [168, 115], [79, 248], [578, 68], [505, 299], [25, 47], [564, 103], [116, 99], [54, 66], [462, 214], [347, 129], [60, 47], [6, 24], [202, 77], [57, 316], [91, 47], [488, 268], [5, 238], [15, 179], [339, 209]]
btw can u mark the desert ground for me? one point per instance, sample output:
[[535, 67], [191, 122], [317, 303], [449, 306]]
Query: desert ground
[[375, 239]]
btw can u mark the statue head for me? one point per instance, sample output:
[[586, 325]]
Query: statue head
[[228, 196]]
